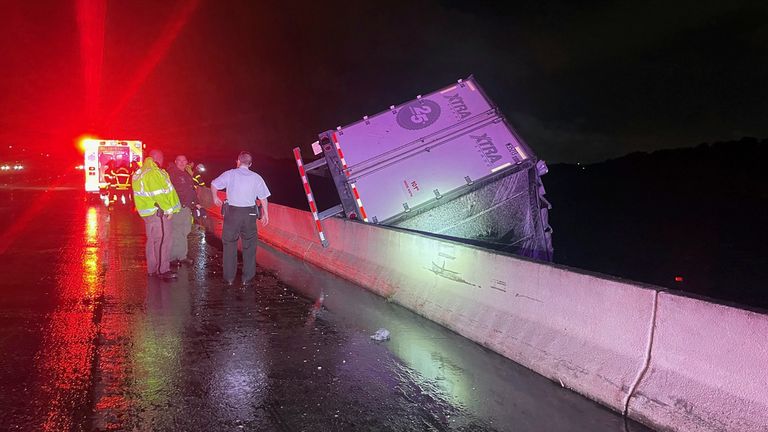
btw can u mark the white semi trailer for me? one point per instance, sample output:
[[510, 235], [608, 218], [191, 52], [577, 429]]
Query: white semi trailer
[[447, 163]]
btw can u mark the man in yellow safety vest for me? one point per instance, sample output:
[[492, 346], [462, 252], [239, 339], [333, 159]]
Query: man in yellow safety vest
[[156, 202]]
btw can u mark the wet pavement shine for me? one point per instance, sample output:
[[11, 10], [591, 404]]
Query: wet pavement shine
[[89, 342]]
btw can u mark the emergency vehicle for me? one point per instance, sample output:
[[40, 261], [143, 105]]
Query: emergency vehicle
[[103, 158]]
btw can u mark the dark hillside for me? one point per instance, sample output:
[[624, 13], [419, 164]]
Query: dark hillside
[[697, 213]]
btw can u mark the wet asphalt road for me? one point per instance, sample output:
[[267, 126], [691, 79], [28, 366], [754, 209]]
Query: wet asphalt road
[[88, 342]]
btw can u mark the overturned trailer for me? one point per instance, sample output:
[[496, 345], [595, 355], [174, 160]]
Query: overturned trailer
[[447, 163]]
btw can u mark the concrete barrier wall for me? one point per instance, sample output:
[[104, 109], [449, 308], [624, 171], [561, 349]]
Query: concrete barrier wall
[[674, 362], [708, 368], [540, 316]]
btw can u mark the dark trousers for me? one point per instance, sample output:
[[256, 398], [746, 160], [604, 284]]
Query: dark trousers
[[239, 223], [158, 248]]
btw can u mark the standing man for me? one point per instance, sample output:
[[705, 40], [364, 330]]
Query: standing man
[[182, 222], [156, 201], [199, 215], [111, 180], [240, 212]]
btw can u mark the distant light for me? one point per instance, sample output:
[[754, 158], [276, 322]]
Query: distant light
[[678, 278], [200, 167], [86, 142], [79, 167]]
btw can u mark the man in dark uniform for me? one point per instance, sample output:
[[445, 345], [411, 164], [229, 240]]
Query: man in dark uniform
[[244, 187], [182, 222]]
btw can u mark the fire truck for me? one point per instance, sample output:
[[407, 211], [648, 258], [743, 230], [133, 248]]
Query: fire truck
[[103, 158]]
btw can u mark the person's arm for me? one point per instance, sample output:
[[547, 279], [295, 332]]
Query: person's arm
[[215, 195], [217, 184], [264, 208], [263, 194], [167, 200]]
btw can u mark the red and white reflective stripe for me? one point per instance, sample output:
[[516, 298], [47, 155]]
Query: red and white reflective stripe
[[346, 171], [358, 202], [308, 192], [341, 154]]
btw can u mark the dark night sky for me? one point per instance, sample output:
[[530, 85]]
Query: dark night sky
[[581, 83]]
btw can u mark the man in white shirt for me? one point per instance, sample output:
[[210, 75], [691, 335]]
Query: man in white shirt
[[244, 188]]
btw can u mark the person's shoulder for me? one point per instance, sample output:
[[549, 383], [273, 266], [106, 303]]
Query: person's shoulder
[[150, 172], [257, 176], [246, 172]]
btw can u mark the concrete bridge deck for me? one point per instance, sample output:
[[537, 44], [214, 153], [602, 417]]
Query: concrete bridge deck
[[90, 343]]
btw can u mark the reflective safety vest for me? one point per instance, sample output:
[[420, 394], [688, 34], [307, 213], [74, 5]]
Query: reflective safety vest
[[109, 176], [152, 188], [122, 178], [197, 178]]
